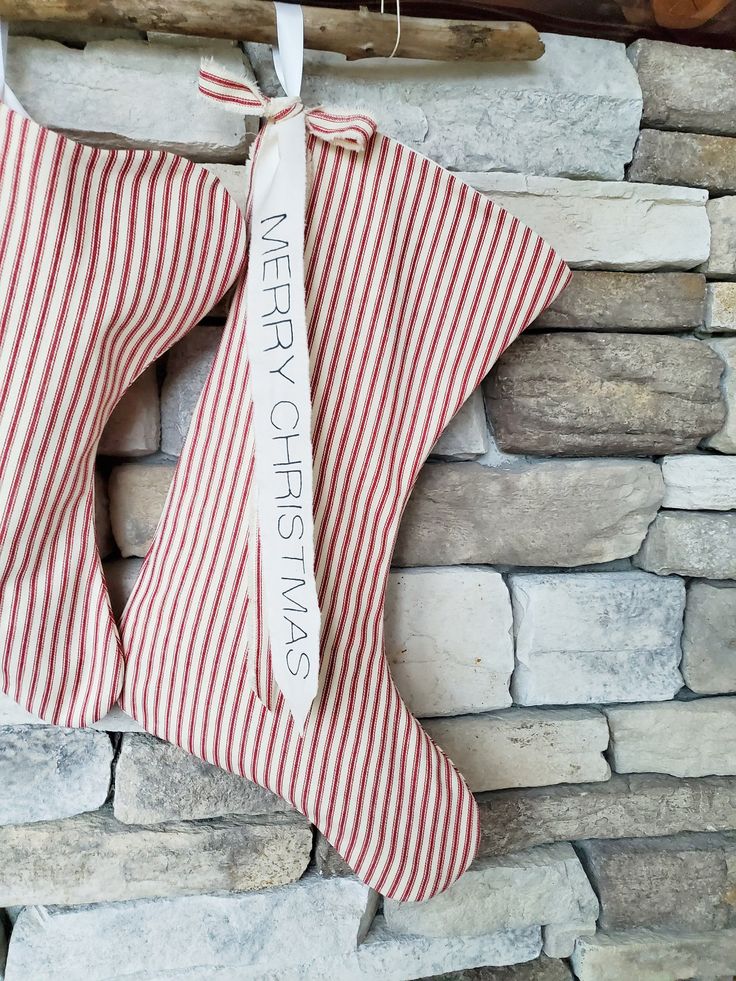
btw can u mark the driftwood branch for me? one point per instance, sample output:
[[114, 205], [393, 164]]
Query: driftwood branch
[[354, 33]]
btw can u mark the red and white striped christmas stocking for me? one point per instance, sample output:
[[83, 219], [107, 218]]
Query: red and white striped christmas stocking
[[415, 284], [107, 257]]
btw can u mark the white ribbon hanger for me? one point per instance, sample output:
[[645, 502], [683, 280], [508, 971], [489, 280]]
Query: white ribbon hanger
[[288, 55], [282, 406], [6, 93]]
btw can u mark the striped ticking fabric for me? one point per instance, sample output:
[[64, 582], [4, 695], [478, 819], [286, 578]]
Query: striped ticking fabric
[[106, 258], [415, 286]]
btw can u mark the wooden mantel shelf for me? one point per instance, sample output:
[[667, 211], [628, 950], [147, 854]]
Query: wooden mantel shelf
[[354, 33]]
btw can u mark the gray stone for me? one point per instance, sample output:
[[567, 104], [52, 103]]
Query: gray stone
[[721, 262], [121, 575], [692, 159], [709, 638], [156, 781], [545, 886], [604, 394], [654, 955], [525, 747], [466, 435], [541, 117], [720, 308], [594, 300], [683, 883], [699, 480], [134, 427], [187, 366], [596, 637], [385, 956], [545, 514], [542, 969], [685, 738], [725, 439], [448, 639], [94, 858], [206, 936], [137, 496], [626, 806], [103, 530], [606, 225], [691, 543], [103, 107], [686, 87], [48, 772], [636, 805]]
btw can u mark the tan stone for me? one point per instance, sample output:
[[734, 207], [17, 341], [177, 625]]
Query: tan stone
[[604, 394], [545, 514], [133, 429], [612, 301], [686, 88], [137, 495], [692, 159]]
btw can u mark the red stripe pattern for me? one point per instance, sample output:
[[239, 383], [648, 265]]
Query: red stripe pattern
[[415, 286], [106, 259]]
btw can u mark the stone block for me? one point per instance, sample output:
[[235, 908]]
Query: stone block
[[604, 394], [466, 435], [557, 513], [137, 496], [721, 261], [725, 439], [692, 159], [448, 638], [699, 481], [385, 956], [653, 955], [709, 638], [541, 969], [686, 88], [596, 637], [134, 427], [236, 936], [606, 225], [544, 886], [187, 365], [103, 530], [626, 806], [93, 858], [720, 309], [157, 781], [541, 117], [686, 882], [525, 747], [613, 301], [48, 772], [103, 106], [121, 575], [685, 738], [690, 543]]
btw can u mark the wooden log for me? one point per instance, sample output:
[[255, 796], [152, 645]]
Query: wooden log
[[354, 33]]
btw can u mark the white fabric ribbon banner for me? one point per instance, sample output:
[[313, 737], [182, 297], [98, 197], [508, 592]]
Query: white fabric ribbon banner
[[282, 406]]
